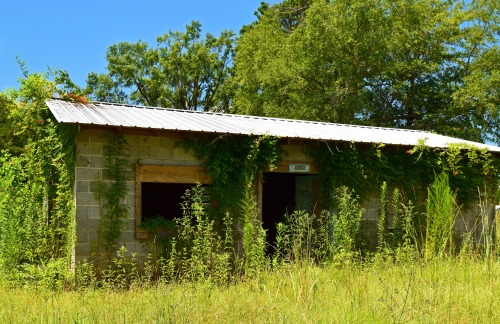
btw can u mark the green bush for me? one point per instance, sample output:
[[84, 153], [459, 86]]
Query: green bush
[[198, 252], [303, 238], [441, 212], [346, 222]]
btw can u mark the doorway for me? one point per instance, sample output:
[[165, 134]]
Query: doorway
[[283, 193]]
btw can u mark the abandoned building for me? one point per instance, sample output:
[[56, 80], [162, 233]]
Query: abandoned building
[[160, 170]]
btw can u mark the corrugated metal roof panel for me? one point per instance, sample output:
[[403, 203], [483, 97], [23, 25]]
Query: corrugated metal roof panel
[[108, 114]]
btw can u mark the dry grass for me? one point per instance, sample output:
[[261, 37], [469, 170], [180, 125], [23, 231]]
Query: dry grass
[[441, 291]]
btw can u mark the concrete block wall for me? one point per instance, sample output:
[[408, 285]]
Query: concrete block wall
[[478, 219], [90, 169], [164, 150], [368, 227]]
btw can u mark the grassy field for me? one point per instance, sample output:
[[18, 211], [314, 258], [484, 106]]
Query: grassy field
[[451, 291]]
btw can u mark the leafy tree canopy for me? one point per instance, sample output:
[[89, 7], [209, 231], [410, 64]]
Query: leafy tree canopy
[[23, 111], [184, 71], [426, 64]]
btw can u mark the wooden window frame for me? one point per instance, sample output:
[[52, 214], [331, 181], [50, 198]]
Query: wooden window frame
[[162, 174]]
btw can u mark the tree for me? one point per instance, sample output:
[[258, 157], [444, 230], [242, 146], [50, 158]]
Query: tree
[[184, 71], [426, 64], [314, 70], [479, 93], [440, 50], [419, 73], [8, 140]]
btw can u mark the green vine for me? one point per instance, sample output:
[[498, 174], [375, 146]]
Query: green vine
[[361, 167], [347, 164], [37, 225], [111, 194], [365, 167], [233, 162]]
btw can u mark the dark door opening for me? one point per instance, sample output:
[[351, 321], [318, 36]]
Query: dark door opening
[[283, 193], [278, 198]]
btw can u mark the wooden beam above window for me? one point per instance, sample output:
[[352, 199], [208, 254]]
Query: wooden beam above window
[[171, 174]]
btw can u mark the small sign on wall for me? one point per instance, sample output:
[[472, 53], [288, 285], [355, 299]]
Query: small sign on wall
[[299, 168]]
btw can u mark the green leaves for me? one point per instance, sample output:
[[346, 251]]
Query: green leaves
[[441, 212], [426, 64], [315, 70], [111, 194], [184, 71], [36, 197]]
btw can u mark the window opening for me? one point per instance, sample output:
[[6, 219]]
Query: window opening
[[159, 192], [163, 200]]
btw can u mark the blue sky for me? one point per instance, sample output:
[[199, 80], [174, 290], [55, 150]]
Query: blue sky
[[74, 35]]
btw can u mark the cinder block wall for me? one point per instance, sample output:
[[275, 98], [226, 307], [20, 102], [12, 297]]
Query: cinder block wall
[[90, 168], [162, 150]]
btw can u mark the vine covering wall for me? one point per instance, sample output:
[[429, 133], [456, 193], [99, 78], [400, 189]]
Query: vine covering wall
[[364, 167], [36, 183], [233, 162], [360, 167], [111, 195]]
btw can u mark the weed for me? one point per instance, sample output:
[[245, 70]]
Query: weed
[[382, 218], [303, 238], [441, 212], [346, 223], [254, 237]]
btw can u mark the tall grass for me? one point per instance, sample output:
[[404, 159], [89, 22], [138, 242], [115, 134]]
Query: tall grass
[[304, 238], [315, 275], [444, 290], [254, 237], [397, 238], [382, 218], [346, 222], [310, 238], [497, 230]]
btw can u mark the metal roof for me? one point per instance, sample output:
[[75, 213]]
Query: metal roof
[[109, 114]]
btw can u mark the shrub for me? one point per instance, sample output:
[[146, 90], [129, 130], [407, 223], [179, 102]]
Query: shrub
[[441, 211], [198, 252], [346, 222]]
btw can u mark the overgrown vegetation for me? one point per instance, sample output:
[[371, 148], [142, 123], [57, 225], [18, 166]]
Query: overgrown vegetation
[[233, 162], [447, 290], [36, 180], [198, 252], [218, 251], [216, 263], [363, 167], [224, 242]]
